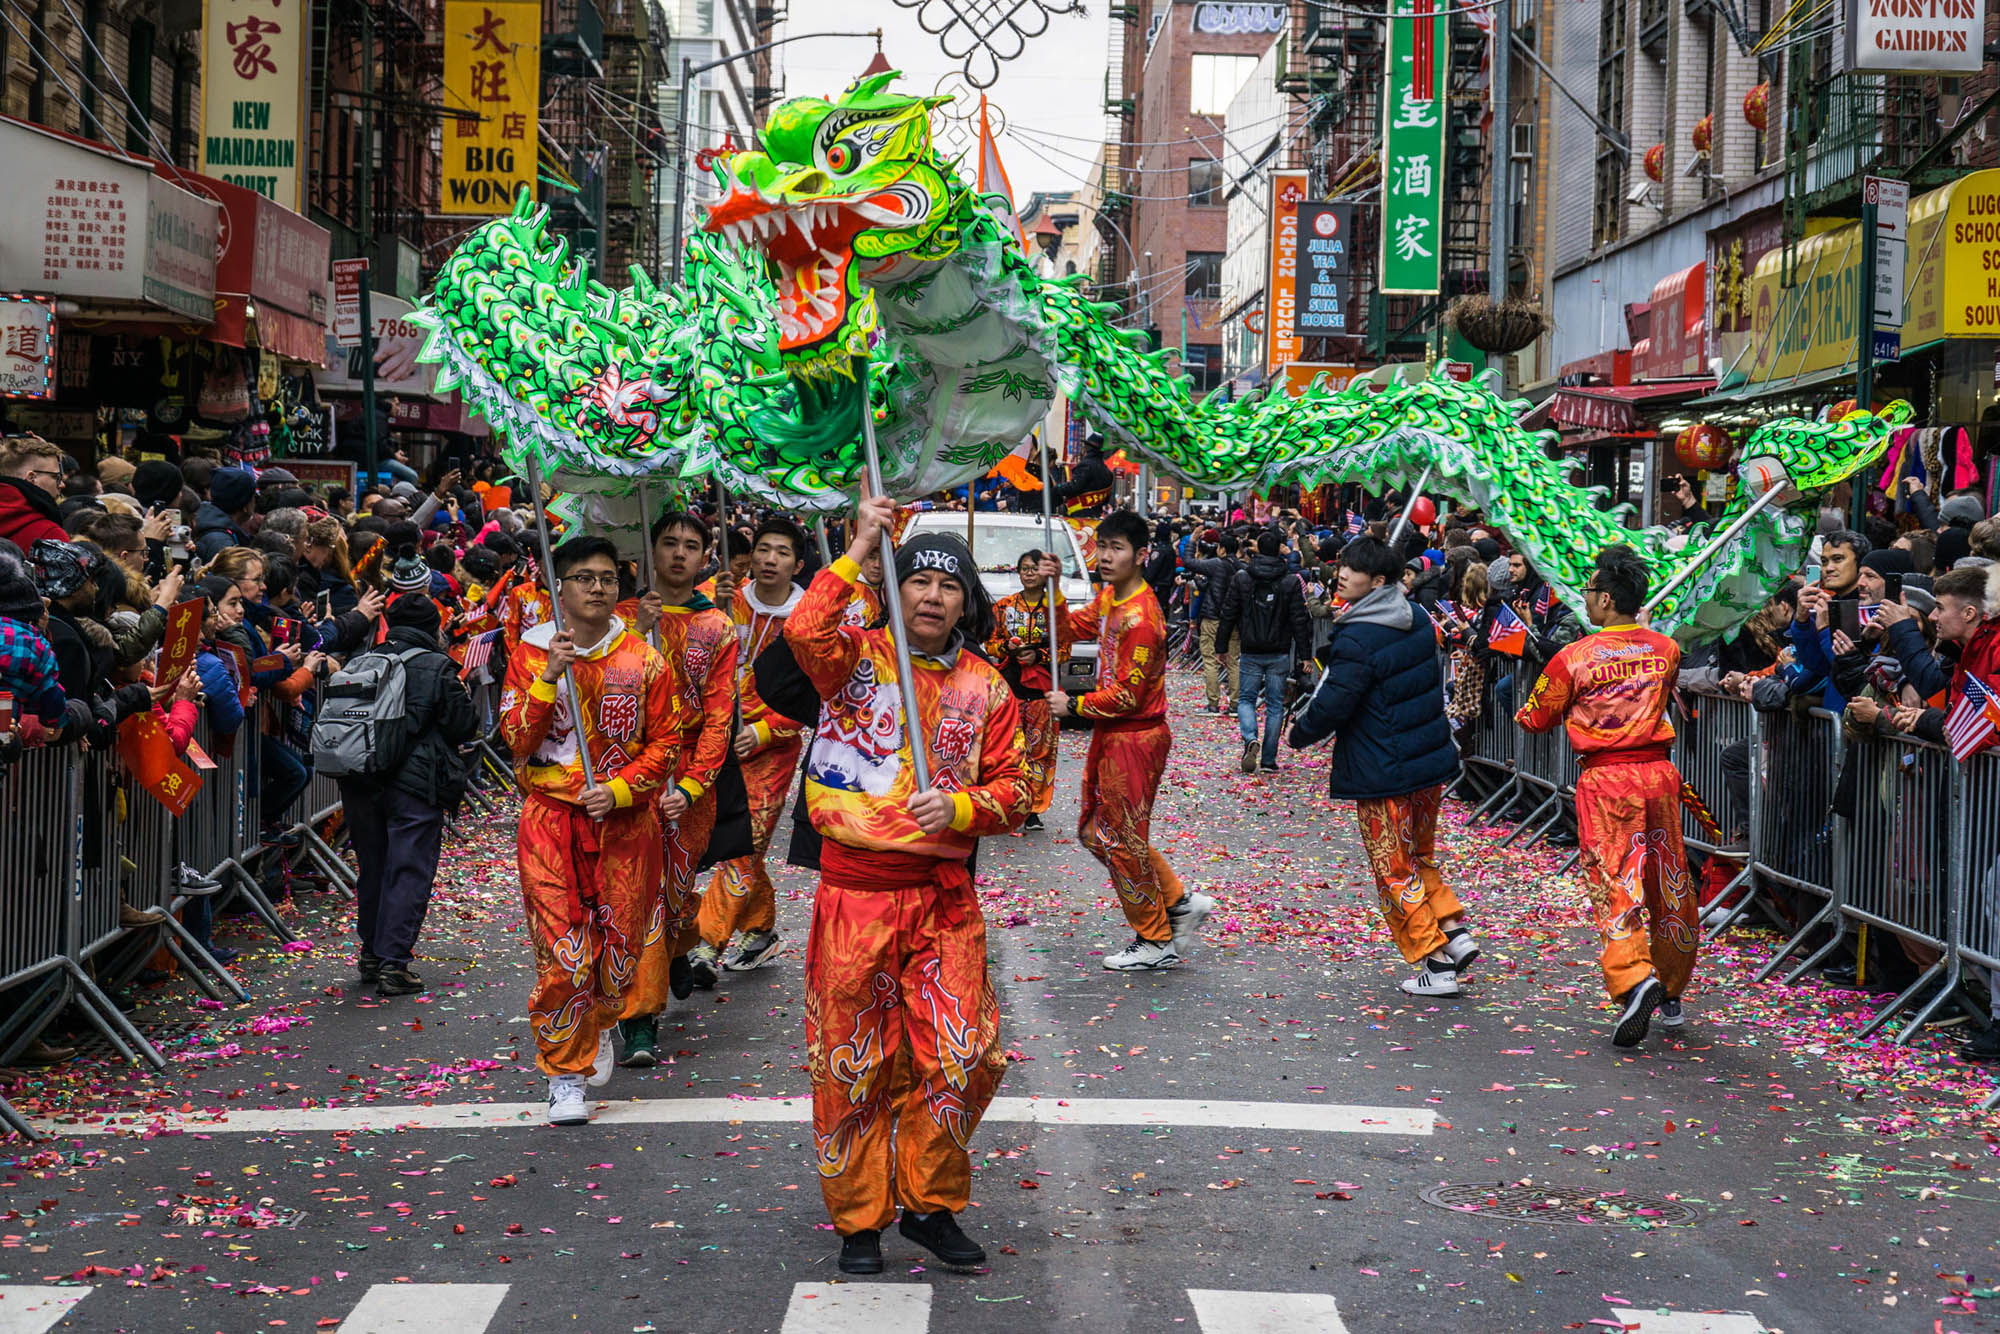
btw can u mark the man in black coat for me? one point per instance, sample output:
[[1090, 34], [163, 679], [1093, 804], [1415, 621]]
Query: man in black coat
[[397, 820], [1382, 700], [1264, 609]]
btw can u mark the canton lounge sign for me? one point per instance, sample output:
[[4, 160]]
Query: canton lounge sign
[[1917, 36], [253, 95]]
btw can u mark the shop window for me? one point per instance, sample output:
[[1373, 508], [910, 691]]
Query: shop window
[[1204, 181]]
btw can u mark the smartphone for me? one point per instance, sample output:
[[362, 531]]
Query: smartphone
[[1846, 617], [323, 607]]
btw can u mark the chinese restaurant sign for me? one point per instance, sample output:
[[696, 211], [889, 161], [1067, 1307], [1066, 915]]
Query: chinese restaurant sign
[[492, 85], [1413, 130], [253, 95], [1326, 236], [1283, 343]]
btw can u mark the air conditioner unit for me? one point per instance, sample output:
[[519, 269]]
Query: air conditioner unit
[[1521, 142]]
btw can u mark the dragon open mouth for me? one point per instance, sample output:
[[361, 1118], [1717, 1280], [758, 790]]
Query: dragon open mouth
[[809, 246]]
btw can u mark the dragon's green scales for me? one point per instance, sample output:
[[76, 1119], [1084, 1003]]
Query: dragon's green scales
[[846, 234]]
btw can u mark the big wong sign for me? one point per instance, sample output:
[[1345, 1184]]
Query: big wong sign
[[253, 74], [492, 85]]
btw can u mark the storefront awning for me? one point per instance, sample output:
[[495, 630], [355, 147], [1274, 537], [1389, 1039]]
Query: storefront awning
[[1614, 409], [1810, 382], [87, 224], [1676, 331]]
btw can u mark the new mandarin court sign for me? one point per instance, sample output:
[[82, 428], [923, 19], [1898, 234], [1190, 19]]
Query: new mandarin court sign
[[492, 87], [253, 73]]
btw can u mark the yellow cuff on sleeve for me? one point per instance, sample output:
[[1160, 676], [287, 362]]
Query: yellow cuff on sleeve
[[961, 811], [621, 792], [763, 731], [846, 569], [541, 691], [692, 788]]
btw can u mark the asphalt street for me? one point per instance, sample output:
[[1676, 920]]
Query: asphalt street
[[1270, 1138]]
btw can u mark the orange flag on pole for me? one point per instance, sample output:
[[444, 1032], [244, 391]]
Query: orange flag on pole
[[993, 177]]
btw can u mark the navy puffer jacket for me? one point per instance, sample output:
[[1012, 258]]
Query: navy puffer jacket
[[1382, 700]]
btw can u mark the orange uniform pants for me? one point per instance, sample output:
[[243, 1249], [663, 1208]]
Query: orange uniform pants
[[588, 887], [1121, 775], [1039, 733], [740, 894], [670, 930], [1400, 834], [902, 1036], [1628, 820]]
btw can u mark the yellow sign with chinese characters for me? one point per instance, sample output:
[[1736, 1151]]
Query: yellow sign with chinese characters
[[253, 72], [492, 87]]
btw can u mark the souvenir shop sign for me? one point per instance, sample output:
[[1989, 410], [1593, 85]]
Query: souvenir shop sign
[[253, 79], [1414, 113], [1282, 341], [492, 81], [27, 347], [80, 222]]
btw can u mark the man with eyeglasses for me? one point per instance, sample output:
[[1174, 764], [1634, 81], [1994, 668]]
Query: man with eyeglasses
[[590, 851], [1612, 689], [31, 478]]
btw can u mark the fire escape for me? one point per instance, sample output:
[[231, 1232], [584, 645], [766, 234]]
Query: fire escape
[[627, 120], [1113, 216], [574, 158]]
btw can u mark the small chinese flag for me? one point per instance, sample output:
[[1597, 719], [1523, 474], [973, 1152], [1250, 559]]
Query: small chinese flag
[[148, 753]]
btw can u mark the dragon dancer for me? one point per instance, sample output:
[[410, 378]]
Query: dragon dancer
[[740, 895], [896, 964], [1129, 741], [1020, 644], [1612, 689], [589, 853], [699, 644]]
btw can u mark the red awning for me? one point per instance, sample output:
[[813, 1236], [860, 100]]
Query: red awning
[[1615, 408], [1678, 328]]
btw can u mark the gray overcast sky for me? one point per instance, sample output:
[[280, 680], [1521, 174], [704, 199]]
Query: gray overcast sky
[[1054, 88]]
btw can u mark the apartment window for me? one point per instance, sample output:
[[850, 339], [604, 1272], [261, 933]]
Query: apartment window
[[1203, 361], [1214, 80], [1609, 213], [1204, 275], [1204, 181], [139, 81]]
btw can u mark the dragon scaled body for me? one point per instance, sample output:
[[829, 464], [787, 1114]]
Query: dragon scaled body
[[844, 234]]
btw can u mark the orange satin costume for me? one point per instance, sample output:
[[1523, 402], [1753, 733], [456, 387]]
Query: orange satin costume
[[896, 965], [740, 895], [1020, 623], [1128, 753], [1400, 835], [588, 886], [1613, 688]]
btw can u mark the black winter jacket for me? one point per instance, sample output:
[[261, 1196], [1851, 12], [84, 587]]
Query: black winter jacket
[[442, 719], [1295, 625], [1382, 700]]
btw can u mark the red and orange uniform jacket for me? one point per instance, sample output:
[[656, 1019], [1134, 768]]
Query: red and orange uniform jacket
[[700, 644], [859, 778], [525, 607], [632, 718], [1019, 623], [758, 626], [1131, 640], [864, 606], [1614, 687]]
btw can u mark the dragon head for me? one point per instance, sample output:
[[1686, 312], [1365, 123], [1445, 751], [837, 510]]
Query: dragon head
[[841, 195], [1812, 456]]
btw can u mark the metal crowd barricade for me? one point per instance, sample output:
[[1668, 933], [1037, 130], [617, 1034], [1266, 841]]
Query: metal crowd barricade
[[310, 817], [1975, 839], [218, 825], [1795, 843], [1544, 762], [38, 853], [1702, 729]]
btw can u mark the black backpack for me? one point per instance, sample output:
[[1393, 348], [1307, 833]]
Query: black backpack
[[1260, 623]]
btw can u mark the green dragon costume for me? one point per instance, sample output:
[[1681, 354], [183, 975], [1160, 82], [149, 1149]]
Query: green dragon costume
[[846, 235]]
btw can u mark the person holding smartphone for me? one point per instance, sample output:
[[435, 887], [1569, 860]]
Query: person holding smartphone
[[1812, 632]]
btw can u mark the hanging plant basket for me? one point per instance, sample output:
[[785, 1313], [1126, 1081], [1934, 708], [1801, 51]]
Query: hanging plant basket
[[1499, 330]]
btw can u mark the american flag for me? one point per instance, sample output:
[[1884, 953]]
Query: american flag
[[1449, 608], [1544, 599], [1507, 634], [477, 654], [1869, 611], [1974, 720], [1354, 523]]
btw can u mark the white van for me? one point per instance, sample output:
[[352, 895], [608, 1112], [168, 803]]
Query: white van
[[998, 541]]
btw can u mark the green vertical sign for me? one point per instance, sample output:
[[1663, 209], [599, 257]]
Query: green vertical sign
[[1413, 129]]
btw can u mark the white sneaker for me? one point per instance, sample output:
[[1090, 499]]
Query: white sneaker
[[566, 1102], [1187, 918], [1432, 982], [1462, 950], [606, 1062], [1144, 956]]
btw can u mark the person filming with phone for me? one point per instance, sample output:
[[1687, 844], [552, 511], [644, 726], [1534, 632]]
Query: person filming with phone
[[1833, 606]]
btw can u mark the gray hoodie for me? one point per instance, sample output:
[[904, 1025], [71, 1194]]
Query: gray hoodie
[[1386, 606]]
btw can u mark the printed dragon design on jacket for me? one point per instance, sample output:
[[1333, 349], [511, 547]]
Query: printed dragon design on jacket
[[845, 234]]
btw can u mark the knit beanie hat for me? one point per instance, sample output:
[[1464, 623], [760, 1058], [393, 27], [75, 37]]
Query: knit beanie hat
[[1953, 545], [19, 599], [1964, 511], [408, 572], [415, 611], [947, 552], [61, 567], [231, 489], [1892, 563], [157, 482]]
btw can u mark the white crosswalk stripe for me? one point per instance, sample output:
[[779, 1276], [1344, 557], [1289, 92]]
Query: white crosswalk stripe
[[859, 1308], [1223, 1311], [425, 1308], [1688, 1322], [35, 1310]]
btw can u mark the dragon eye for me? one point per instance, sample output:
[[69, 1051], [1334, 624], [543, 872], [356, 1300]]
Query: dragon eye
[[839, 157]]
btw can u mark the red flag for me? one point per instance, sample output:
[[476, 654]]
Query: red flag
[[182, 638], [1508, 635], [148, 753]]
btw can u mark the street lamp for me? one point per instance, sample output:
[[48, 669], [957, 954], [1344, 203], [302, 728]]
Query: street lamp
[[688, 70]]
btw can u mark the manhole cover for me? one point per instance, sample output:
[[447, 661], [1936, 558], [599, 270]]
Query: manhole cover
[[1558, 1204]]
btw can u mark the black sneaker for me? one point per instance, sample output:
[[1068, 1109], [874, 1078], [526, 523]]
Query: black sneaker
[[1985, 1047], [861, 1252], [1033, 821], [680, 978], [397, 980], [641, 1038], [939, 1234], [1268, 766], [1249, 764], [701, 961], [368, 966], [1635, 1018]]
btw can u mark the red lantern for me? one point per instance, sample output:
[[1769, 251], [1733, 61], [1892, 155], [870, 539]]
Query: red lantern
[[1840, 410], [1703, 446], [1656, 162], [1757, 106], [1704, 133], [1423, 512]]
